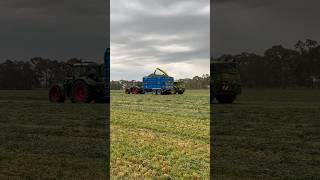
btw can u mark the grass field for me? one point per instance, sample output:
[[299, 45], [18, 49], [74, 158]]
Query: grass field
[[269, 134], [155, 136], [41, 140]]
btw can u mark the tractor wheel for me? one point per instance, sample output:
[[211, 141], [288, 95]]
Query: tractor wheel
[[56, 95], [135, 90], [127, 91], [226, 99], [180, 92], [81, 92]]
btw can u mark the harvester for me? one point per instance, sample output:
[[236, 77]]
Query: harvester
[[225, 81], [88, 81], [159, 82]]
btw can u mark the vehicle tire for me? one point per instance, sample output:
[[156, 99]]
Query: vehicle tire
[[81, 92], [56, 94], [180, 92], [135, 90], [226, 99], [127, 91], [154, 91]]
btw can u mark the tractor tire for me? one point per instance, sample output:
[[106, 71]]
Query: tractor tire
[[135, 90], [81, 92], [226, 99], [180, 92], [127, 91], [56, 94]]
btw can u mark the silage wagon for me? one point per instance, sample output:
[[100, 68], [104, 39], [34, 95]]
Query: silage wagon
[[156, 83]]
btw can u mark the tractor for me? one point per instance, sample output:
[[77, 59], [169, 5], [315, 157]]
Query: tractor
[[133, 87], [84, 84], [225, 81], [159, 82]]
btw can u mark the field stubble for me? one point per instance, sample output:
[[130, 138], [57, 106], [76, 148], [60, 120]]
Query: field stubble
[[154, 136], [268, 134], [42, 140]]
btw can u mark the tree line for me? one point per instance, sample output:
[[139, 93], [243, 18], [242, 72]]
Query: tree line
[[277, 67], [41, 73], [35, 73], [197, 82], [280, 67]]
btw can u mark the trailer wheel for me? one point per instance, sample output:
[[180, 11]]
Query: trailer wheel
[[56, 95], [154, 91]]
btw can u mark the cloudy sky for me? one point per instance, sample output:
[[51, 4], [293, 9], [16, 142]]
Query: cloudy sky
[[255, 25], [56, 29], [172, 35]]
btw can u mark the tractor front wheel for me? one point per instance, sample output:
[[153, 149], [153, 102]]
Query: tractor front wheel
[[81, 92], [56, 94]]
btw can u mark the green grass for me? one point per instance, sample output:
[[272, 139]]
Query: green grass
[[42, 140], [269, 134], [160, 136]]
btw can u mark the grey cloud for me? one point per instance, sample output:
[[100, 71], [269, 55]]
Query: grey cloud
[[253, 26], [159, 33], [54, 29]]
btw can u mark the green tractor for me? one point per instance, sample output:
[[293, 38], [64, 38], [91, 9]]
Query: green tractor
[[84, 84], [225, 81], [178, 87]]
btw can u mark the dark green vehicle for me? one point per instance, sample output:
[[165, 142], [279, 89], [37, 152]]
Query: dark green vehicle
[[83, 85], [178, 87], [225, 81]]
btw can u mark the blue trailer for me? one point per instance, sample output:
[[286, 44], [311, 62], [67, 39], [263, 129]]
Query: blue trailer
[[156, 84]]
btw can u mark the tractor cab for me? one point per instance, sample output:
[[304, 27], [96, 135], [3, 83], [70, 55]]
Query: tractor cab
[[88, 69]]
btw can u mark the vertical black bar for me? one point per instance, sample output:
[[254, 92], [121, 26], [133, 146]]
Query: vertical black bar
[[213, 149], [107, 89]]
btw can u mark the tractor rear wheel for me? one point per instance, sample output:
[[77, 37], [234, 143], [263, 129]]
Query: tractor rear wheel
[[135, 90], [56, 95], [81, 92]]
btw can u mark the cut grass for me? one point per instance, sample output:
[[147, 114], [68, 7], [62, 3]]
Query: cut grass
[[160, 136], [269, 134], [42, 140]]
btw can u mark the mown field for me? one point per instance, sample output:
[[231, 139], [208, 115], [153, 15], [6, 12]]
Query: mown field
[[268, 134], [265, 134], [41, 140], [160, 136]]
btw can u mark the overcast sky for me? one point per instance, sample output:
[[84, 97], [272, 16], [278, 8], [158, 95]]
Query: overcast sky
[[56, 29], [172, 35], [255, 25]]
